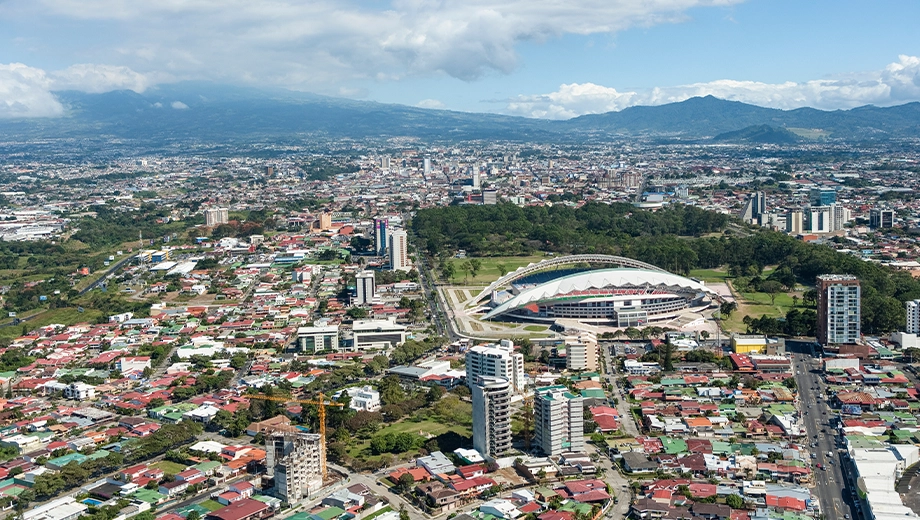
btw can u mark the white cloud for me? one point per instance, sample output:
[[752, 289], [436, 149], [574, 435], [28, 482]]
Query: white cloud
[[323, 44], [897, 83], [25, 92], [89, 77], [178, 105], [28, 91], [429, 103]]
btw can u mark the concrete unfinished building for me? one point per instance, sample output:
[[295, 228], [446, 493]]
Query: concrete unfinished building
[[295, 459]]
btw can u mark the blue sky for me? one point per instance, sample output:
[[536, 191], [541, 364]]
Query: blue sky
[[538, 58]]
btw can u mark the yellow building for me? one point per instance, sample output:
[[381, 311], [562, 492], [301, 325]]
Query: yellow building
[[749, 344]]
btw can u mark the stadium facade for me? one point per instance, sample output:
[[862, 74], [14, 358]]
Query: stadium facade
[[622, 297]]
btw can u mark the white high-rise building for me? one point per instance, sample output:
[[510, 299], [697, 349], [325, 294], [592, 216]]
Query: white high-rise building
[[839, 300], [491, 415], [558, 420], [496, 361], [913, 317], [366, 288], [216, 216], [399, 250], [426, 166], [477, 181]]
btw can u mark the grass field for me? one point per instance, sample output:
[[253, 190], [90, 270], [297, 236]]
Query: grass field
[[362, 448], [755, 305], [489, 272], [169, 467], [64, 316], [535, 328], [709, 275], [210, 505]]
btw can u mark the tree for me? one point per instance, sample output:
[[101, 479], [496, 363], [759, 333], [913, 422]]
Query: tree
[[727, 308], [403, 514], [789, 383], [448, 270], [734, 501], [404, 482], [357, 313], [771, 287], [193, 515], [475, 266]]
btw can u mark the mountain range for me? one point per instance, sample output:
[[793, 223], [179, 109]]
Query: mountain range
[[213, 113]]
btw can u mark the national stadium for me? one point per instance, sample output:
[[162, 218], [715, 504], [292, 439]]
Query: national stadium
[[633, 294]]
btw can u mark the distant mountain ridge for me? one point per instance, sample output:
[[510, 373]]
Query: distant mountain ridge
[[207, 112]]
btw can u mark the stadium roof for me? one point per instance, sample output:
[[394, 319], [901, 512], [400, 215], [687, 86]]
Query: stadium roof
[[599, 279]]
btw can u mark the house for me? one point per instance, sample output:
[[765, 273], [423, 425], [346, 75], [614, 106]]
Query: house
[[127, 365], [436, 463], [171, 489], [500, 508], [638, 462], [246, 509], [438, 494], [344, 499]]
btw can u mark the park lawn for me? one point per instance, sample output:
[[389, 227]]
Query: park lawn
[[710, 275], [489, 272], [63, 316], [757, 304], [535, 328], [170, 467], [210, 505], [362, 448]]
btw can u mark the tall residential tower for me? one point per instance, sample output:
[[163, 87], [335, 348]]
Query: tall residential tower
[[838, 309]]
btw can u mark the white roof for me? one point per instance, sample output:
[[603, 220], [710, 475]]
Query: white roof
[[598, 279]]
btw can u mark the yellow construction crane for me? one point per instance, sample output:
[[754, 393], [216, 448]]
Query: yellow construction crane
[[321, 405]]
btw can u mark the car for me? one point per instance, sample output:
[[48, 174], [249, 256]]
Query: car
[[847, 516]]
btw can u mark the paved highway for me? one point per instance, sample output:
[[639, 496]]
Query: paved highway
[[830, 487]]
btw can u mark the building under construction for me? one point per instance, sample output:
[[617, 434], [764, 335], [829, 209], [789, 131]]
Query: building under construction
[[295, 459]]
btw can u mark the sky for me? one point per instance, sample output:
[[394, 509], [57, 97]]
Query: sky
[[536, 58]]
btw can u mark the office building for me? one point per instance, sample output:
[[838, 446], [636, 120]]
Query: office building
[[325, 221], [216, 216], [755, 206], [399, 250], [385, 163], [838, 309], [795, 221], [881, 218], [366, 288], [581, 356], [477, 181], [295, 459], [913, 317], [823, 197], [496, 361], [839, 217], [489, 197], [377, 334], [558, 420], [381, 239], [491, 415], [426, 166], [817, 219], [318, 339]]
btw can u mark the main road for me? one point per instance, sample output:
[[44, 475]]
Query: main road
[[817, 417]]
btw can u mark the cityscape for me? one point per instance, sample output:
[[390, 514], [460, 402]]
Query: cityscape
[[455, 260]]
